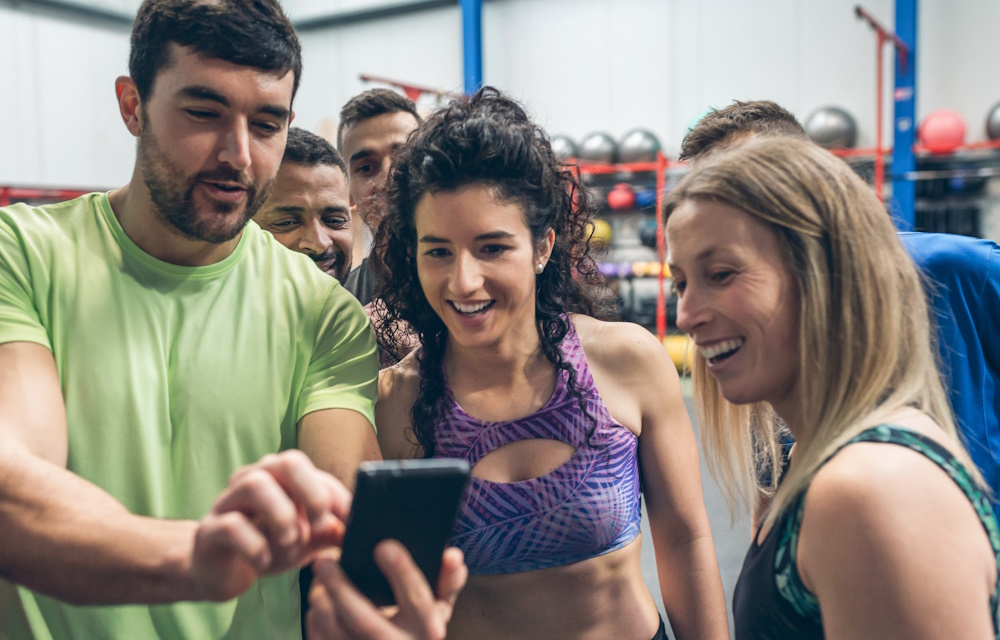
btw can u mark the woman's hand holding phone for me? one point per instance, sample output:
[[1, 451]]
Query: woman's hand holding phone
[[338, 610], [397, 503]]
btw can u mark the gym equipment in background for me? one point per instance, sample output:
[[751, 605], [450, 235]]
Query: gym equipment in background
[[621, 197], [598, 147], [647, 232], [638, 145], [564, 147], [681, 350], [993, 123], [832, 128], [645, 198], [601, 232], [942, 131], [622, 256]]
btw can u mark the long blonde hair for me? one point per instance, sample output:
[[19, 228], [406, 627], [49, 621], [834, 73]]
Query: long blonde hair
[[865, 343]]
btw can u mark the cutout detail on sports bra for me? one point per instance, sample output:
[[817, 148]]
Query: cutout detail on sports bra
[[523, 460]]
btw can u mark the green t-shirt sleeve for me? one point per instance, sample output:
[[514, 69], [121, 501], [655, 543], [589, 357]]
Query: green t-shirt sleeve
[[343, 371], [19, 320]]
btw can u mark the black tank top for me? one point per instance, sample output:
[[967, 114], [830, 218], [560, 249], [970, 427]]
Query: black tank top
[[770, 601]]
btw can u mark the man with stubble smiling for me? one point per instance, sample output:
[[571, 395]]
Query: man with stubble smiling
[[309, 208]]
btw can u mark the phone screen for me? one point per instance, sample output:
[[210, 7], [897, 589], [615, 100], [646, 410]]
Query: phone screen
[[413, 501]]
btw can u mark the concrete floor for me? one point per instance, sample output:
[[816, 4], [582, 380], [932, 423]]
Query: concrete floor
[[731, 538]]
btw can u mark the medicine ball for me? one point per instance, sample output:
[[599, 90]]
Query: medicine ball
[[564, 147], [638, 145], [832, 128], [598, 147], [942, 131]]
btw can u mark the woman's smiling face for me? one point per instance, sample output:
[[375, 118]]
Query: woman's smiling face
[[737, 300], [476, 262]]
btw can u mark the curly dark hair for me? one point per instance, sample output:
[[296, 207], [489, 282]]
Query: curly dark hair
[[486, 139]]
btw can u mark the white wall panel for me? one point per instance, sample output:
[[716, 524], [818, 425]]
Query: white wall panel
[[81, 138], [959, 51], [19, 153], [59, 106], [423, 49], [594, 64], [583, 65], [579, 65], [307, 9], [730, 50]]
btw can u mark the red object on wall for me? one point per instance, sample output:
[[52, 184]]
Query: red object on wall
[[621, 197], [9, 195], [942, 131]]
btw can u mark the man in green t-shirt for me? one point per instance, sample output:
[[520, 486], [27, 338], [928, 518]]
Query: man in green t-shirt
[[162, 358]]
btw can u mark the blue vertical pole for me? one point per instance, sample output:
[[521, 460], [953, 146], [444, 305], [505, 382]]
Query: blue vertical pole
[[904, 120], [472, 44]]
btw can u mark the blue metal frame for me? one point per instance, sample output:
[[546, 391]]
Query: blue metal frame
[[472, 43], [904, 119]]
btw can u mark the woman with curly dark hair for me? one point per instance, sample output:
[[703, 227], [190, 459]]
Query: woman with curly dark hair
[[487, 262]]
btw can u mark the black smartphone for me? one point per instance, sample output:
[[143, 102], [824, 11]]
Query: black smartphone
[[413, 501]]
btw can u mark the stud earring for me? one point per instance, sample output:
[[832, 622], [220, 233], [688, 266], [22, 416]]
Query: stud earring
[[539, 268]]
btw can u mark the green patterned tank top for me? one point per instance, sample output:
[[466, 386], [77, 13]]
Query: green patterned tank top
[[794, 611]]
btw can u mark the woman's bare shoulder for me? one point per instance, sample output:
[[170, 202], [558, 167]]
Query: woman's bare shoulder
[[618, 346]]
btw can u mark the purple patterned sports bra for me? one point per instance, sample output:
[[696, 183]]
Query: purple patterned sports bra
[[587, 507]]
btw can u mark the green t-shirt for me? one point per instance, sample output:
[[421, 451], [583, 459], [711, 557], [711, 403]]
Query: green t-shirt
[[173, 378]]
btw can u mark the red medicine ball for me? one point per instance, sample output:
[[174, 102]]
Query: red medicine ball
[[942, 131]]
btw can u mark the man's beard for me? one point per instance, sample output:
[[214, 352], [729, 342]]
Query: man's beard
[[173, 195], [340, 267]]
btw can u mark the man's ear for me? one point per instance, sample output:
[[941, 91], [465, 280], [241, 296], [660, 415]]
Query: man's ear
[[128, 104], [291, 117]]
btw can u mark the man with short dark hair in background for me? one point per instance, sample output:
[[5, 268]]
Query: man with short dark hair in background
[[309, 208], [160, 359], [737, 123], [373, 125], [963, 293]]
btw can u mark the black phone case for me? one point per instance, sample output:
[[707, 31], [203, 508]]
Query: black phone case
[[413, 501]]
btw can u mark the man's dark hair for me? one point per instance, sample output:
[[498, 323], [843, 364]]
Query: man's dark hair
[[372, 103], [252, 33], [721, 126], [310, 150]]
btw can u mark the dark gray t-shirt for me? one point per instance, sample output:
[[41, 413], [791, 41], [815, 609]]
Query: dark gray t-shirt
[[361, 282]]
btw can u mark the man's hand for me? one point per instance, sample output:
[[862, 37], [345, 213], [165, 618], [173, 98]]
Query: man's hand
[[337, 610], [274, 516]]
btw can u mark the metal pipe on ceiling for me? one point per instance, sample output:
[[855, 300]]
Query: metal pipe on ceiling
[[75, 10], [71, 9], [343, 18]]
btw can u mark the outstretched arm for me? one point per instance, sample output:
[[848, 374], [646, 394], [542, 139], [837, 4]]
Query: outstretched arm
[[66, 537], [671, 472]]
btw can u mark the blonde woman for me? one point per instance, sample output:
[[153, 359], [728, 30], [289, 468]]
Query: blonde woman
[[804, 305]]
